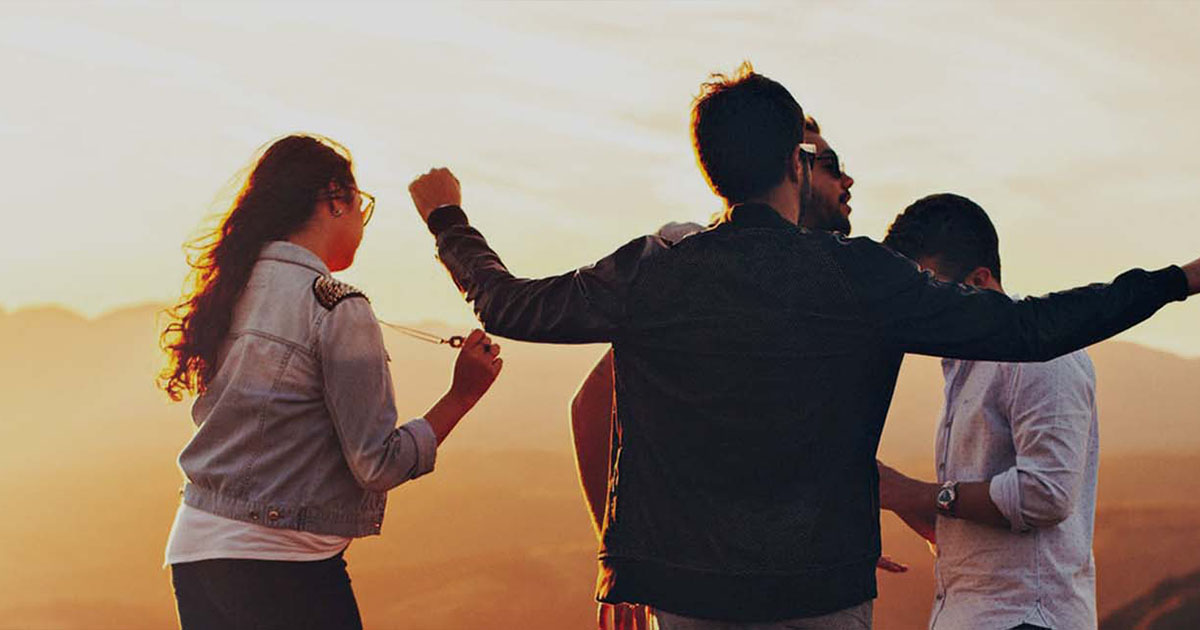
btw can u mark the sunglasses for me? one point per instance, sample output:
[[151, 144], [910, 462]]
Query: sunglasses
[[832, 162]]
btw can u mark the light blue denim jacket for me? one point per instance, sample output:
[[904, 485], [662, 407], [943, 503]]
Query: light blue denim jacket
[[298, 428]]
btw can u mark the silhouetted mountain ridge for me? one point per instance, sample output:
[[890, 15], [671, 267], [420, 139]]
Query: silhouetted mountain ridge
[[1174, 604]]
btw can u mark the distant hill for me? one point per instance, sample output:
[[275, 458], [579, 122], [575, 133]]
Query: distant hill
[[68, 367], [497, 536], [1172, 605]]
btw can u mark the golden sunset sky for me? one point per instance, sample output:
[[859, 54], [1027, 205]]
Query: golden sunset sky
[[124, 126]]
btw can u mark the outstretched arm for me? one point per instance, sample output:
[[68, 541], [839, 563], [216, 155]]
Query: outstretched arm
[[591, 426], [583, 306], [913, 312]]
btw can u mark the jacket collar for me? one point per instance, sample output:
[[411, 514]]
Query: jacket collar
[[755, 214], [283, 251]]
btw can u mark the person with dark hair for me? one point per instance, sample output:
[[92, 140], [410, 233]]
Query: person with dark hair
[[1017, 452], [297, 442], [592, 409], [754, 364], [953, 232], [747, 131]]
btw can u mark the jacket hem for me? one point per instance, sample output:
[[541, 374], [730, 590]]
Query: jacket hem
[[302, 518], [736, 598]]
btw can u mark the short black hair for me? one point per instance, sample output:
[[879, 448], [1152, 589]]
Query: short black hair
[[951, 229], [744, 130]]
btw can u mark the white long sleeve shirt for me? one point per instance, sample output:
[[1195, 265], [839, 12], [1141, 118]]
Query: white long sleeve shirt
[[1031, 429]]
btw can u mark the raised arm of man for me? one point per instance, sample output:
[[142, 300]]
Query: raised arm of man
[[582, 306], [591, 427]]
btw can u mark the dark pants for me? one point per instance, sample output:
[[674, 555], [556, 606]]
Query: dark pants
[[265, 595]]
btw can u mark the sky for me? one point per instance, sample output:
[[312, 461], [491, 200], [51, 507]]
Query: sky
[[125, 128]]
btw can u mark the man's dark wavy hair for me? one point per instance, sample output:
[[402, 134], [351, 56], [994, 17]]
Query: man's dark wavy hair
[[951, 229], [744, 129]]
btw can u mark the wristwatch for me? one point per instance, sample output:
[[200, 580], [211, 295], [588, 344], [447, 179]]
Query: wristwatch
[[947, 498]]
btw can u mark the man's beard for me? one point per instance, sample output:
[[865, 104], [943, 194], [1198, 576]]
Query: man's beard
[[819, 215]]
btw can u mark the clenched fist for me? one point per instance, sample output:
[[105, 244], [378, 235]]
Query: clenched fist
[[475, 370], [477, 367], [439, 187]]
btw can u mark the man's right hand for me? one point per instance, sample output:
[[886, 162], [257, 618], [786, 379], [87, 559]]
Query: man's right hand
[[1192, 271], [623, 617], [439, 187]]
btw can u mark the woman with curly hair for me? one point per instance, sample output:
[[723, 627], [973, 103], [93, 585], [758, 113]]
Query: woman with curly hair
[[297, 439]]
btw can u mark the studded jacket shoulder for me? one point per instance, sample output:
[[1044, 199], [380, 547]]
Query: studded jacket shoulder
[[330, 291]]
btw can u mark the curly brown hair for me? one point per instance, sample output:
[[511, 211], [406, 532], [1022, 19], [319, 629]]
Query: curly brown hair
[[276, 200]]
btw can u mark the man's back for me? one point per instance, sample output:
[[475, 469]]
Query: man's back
[[743, 466]]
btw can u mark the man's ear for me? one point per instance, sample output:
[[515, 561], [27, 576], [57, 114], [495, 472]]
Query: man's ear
[[982, 277], [797, 165]]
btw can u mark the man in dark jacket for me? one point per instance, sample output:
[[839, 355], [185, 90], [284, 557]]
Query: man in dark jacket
[[754, 366]]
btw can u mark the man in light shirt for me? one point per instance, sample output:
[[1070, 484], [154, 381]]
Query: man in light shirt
[[1012, 511]]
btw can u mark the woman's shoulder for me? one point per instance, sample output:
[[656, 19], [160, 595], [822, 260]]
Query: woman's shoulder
[[330, 291]]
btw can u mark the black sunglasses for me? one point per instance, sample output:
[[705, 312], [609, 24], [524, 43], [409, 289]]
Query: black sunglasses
[[832, 162]]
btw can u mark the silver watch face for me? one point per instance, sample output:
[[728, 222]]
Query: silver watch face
[[944, 497]]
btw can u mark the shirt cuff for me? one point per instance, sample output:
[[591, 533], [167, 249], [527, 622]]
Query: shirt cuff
[[1005, 491], [426, 441], [444, 217]]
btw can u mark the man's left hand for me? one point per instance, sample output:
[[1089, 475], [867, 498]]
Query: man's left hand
[[439, 187], [891, 566]]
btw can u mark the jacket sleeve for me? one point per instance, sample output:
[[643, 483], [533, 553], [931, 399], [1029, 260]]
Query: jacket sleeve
[[362, 404], [916, 313], [583, 306]]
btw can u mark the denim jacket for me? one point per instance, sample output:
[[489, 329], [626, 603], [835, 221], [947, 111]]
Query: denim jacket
[[754, 366], [298, 428]]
